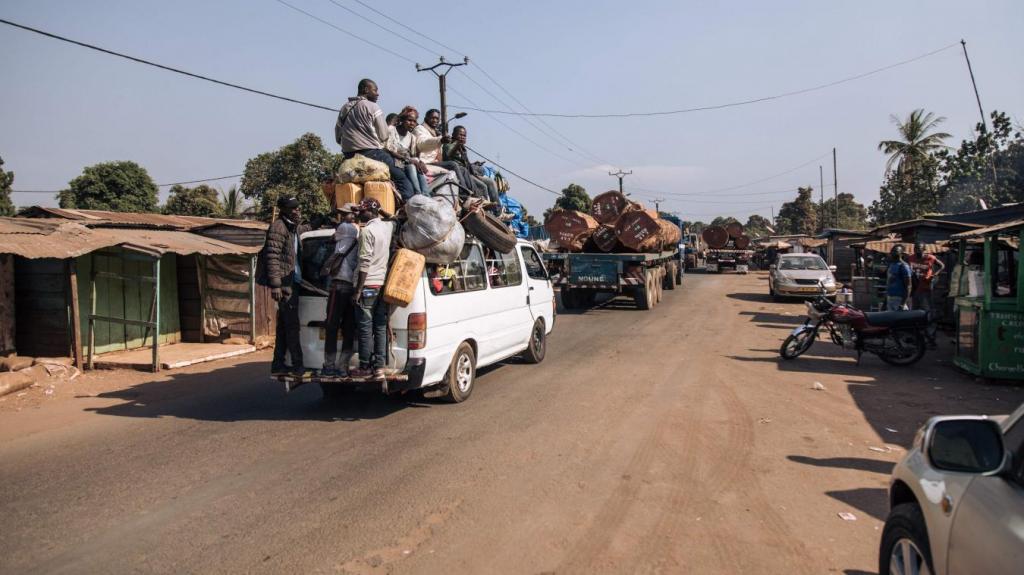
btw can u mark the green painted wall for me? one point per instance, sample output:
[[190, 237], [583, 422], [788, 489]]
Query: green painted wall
[[128, 300]]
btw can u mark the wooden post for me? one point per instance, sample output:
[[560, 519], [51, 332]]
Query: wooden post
[[252, 300], [76, 320], [201, 282], [156, 314], [92, 308]]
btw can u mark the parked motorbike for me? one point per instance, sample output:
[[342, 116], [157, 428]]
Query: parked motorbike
[[896, 337]]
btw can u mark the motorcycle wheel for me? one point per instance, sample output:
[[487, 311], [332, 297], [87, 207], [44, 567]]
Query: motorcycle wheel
[[796, 344], [911, 345]]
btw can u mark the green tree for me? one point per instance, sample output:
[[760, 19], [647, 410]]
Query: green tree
[[799, 216], [574, 197], [6, 182], [852, 214], [695, 227], [232, 204], [917, 144], [297, 169], [724, 221], [201, 200], [901, 198], [989, 168], [113, 186], [758, 226]]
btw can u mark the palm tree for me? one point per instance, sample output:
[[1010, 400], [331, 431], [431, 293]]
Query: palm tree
[[917, 143], [233, 204]]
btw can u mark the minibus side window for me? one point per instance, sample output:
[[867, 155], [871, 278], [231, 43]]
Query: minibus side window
[[503, 269], [464, 274]]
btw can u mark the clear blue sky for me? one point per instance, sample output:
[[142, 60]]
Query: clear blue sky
[[64, 107]]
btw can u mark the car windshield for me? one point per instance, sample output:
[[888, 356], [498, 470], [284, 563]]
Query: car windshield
[[802, 263]]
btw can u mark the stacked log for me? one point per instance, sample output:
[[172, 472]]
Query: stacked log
[[604, 238], [609, 206], [729, 236], [569, 229]]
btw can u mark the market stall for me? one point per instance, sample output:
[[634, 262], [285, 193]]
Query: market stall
[[990, 302]]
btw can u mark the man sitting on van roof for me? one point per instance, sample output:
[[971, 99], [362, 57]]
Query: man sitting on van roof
[[362, 129]]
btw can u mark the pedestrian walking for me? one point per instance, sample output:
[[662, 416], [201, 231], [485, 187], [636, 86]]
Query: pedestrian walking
[[371, 309], [284, 273]]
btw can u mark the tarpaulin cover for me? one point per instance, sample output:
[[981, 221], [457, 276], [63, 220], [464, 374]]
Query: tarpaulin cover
[[518, 222], [226, 299], [433, 229]]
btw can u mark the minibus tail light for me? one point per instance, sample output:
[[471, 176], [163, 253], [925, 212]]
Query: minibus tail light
[[417, 330]]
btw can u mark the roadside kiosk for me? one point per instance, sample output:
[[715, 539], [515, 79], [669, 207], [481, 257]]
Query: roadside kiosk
[[990, 301]]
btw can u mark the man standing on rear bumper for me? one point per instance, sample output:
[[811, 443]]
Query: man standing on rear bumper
[[340, 309], [284, 273], [372, 311]]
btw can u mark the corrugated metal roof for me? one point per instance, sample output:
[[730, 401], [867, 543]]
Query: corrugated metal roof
[[929, 222], [1005, 226], [134, 219], [40, 238]]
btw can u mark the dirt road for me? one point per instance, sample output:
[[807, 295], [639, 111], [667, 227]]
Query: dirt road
[[668, 441]]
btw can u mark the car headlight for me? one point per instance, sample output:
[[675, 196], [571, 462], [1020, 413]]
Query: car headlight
[[829, 281], [785, 280]]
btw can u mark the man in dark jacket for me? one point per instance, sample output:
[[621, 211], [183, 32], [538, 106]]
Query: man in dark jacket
[[284, 272]]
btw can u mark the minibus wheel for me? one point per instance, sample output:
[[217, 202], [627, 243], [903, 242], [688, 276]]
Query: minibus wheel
[[538, 345], [461, 374]]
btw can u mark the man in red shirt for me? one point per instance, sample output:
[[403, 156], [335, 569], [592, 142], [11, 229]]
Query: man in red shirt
[[925, 268]]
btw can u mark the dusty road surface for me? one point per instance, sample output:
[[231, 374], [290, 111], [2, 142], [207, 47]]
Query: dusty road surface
[[669, 441]]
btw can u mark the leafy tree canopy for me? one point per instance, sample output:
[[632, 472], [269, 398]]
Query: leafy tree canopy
[[724, 221], [799, 216], [6, 181], [297, 169], [114, 186], [989, 168], [232, 203], [574, 197], [758, 226], [201, 200], [852, 215]]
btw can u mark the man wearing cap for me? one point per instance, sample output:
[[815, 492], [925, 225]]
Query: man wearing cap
[[341, 268], [284, 272], [362, 129], [371, 310]]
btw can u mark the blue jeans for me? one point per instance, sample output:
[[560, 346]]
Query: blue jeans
[[894, 302], [398, 176], [372, 316], [419, 181]]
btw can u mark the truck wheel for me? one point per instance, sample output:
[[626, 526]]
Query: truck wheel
[[461, 374], [670, 276], [538, 346], [568, 298], [642, 294], [679, 274], [659, 284]]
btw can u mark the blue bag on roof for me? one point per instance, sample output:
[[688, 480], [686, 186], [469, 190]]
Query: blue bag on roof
[[518, 222]]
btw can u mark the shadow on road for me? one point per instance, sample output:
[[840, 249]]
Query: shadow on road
[[859, 463], [754, 297], [871, 500]]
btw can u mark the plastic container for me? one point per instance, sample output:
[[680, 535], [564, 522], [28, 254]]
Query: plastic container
[[403, 277], [341, 194], [383, 192]]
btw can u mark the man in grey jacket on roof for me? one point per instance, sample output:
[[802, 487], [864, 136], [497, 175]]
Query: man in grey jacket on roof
[[362, 129]]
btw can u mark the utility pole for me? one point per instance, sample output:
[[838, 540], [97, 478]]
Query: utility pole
[[657, 204], [441, 84], [620, 174], [821, 208], [773, 216], [835, 186], [984, 124]]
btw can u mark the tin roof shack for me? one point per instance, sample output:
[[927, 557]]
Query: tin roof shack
[[838, 251], [990, 324], [987, 217], [79, 285]]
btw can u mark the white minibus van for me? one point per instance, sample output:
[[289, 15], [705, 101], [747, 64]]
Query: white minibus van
[[481, 309]]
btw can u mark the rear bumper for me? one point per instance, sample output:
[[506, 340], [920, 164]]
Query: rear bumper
[[411, 378]]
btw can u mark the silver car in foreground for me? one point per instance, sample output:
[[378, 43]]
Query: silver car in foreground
[[800, 275], [957, 500]]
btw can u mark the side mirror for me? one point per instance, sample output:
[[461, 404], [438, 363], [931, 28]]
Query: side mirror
[[965, 444], [832, 268], [771, 267]]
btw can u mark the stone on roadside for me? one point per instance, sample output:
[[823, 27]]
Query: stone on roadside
[[236, 341], [69, 361], [817, 386], [14, 381], [15, 362]]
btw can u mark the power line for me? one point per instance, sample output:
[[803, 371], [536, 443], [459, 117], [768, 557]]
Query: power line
[[739, 195], [388, 30], [413, 30], [344, 31], [158, 185], [527, 180], [163, 67], [725, 105]]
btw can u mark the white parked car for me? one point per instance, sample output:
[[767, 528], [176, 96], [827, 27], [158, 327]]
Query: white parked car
[[480, 310], [799, 275], [957, 500]]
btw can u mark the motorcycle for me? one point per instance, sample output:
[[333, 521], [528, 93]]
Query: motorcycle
[[896, 337]]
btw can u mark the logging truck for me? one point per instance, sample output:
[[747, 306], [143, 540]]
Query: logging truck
[[727, 248], [581, 276]]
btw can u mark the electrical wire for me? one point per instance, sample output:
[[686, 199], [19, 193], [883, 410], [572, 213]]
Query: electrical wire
[[158, 185], [413, 30], [503, 168], [388, 30], [163, 67], [344, 31], [725, 105]]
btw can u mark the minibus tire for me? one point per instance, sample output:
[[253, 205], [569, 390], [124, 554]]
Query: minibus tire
[[537, 348], [464, 361], [491, 231]]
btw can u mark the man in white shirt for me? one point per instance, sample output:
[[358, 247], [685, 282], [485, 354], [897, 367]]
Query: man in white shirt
[[371, 309], [403, 145], [341, 312]]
